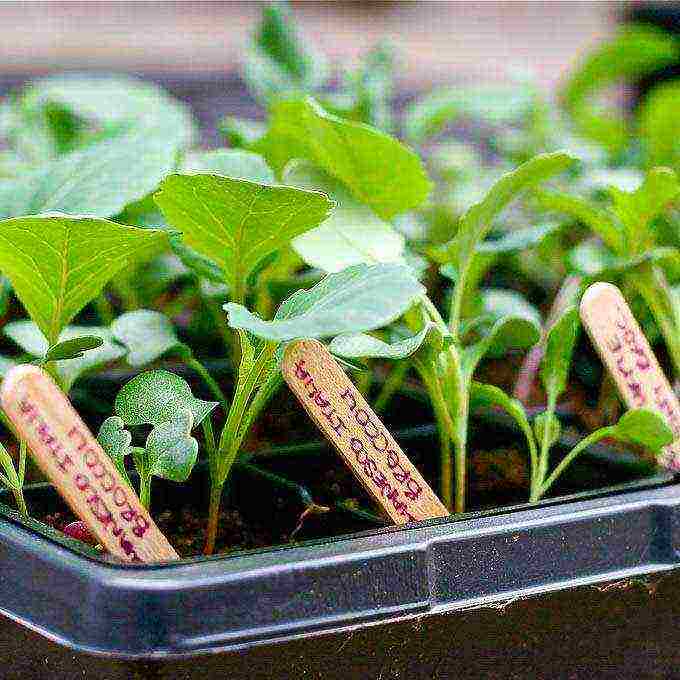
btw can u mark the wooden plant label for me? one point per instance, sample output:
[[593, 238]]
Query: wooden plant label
[[349, 423], [75, 463], [629, 358]]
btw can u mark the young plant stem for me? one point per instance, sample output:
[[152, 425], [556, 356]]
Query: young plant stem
[[239, 419], [211, 383], [591, 439], [391, 386], [145, 490], [537, 482]]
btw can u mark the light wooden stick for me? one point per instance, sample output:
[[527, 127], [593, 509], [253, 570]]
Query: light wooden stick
[[629, 359], [75, 463], [344, 416]]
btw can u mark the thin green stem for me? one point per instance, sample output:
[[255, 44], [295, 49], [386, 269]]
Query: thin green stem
[[20, 501], [544, 457], [591, 439], [434, 314], [391, 386], [145, 491], [214, 388], [23, 449], [213, 517]]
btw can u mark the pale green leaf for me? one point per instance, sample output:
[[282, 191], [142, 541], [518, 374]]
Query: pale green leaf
[[596, 219], [77, 257], [500, 302], [494, 103], [154, 397], [353, 233], [115, 100], [147, 335], [660, 125], [644, 428], [637, 209], [363, 345], [171, 451], [484, 396], [360, 298], [379, 171], [517, 240], [238, 223], [559, 348], [234, 163], [278, 60], [98, 180], [29, 337], [478, 220]]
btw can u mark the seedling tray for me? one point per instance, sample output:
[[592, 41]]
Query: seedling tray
[[68, 594]]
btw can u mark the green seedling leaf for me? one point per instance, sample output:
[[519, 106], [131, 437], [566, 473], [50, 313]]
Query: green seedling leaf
[[147, 334], [58, 263], [486, 396], [559, 348], [278, 61], [596, 219], [362, 345], [643, 428], [357, 299], [352, 234], [379, 171], [115, 102], [554, 426], [153, 398], [238, 223], [633, 53], [116, 441], [593, 260], [234, 163], [517, 240], [98, 180], [498, 104], [637, 209], [29, 337], [660, 126], [199, 264], [241, 133], [74, 348], [507, 334], [498, 303], [171, 451]]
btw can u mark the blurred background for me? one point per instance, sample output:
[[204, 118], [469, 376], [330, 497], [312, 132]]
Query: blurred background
[[438, 41]]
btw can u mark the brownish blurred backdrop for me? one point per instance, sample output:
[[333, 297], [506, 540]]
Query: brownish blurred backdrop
[[440, 41]]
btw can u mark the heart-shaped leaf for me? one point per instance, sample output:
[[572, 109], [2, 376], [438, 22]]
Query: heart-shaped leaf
[[237, 223], [58, 263], [146, 334], [116, 440], [74, 348], [154, 397], [358, 299], [171, 451]]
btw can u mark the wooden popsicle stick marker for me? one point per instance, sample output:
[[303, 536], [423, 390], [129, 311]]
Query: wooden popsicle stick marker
[[625, 352], [75, 463], [348, 422]]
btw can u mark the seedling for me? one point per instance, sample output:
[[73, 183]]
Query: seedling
[[70, 457]]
